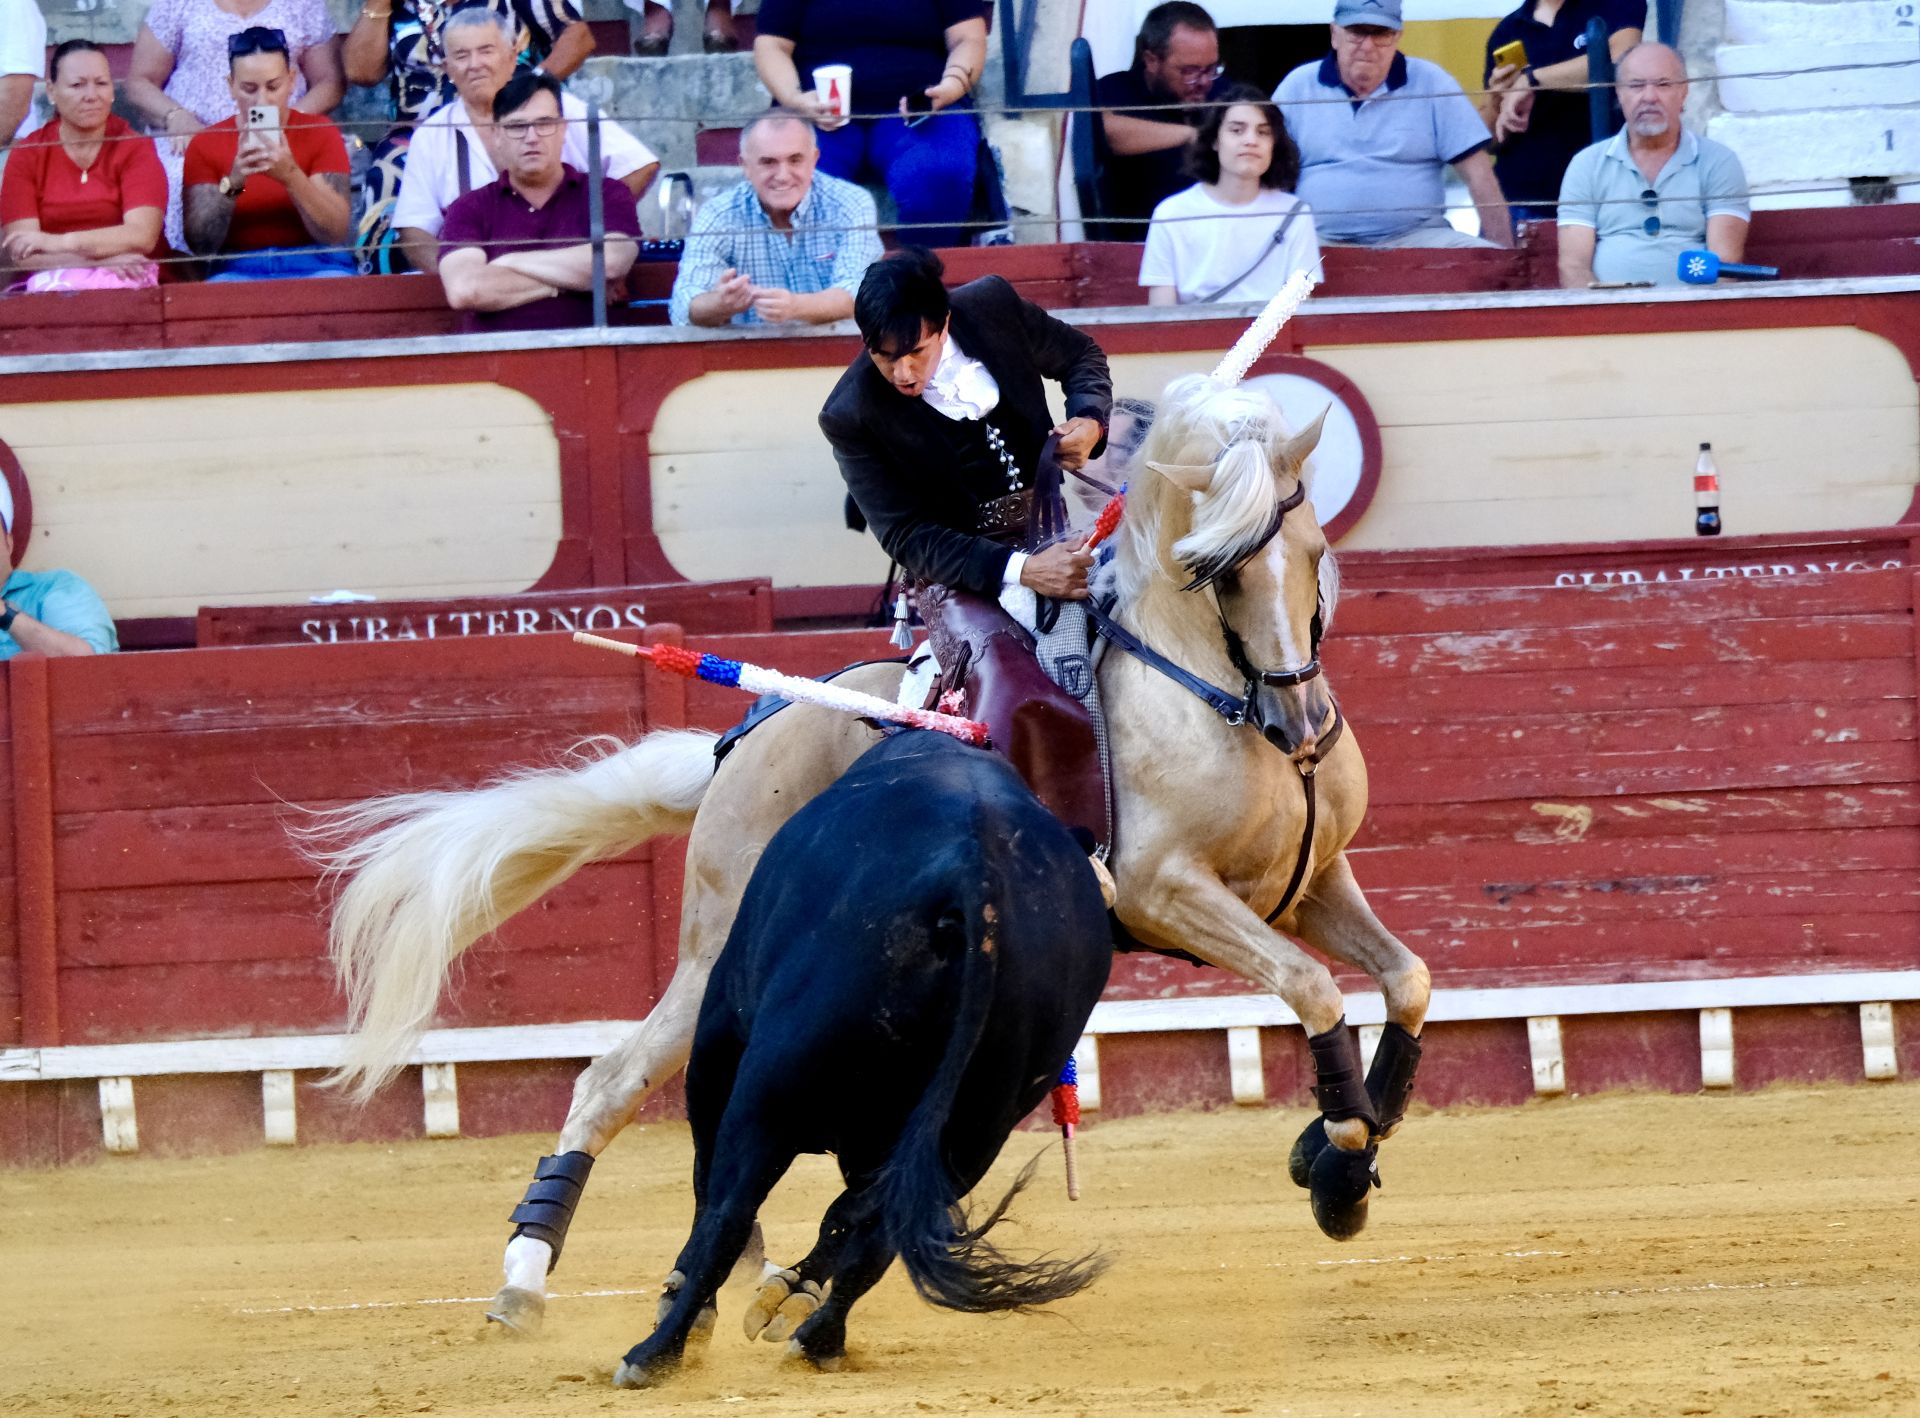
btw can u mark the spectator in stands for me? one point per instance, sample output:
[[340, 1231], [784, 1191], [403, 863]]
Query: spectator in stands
[[403, 42], [81, 199], [52, 612], [1176, 60], [914, 61], [23, 57], [268, 200], [1632, 204], [788, 244], [1539, 111], [1239, 233], [451, 153], [178, 78], [718, 35], [516, 254], [1373, 165]]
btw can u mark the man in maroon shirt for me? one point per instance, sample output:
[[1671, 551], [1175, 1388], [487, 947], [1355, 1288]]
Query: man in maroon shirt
[[516, 254]]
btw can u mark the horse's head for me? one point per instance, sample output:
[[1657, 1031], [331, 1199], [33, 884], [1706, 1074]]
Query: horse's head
[[1234, 524]]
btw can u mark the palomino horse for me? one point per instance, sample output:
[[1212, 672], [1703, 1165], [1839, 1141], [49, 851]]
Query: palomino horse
[[1233, 814]]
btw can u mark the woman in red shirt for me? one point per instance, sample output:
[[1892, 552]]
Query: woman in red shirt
[[82, 198]]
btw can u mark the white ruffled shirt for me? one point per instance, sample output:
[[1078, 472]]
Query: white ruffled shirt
[[963, 388]]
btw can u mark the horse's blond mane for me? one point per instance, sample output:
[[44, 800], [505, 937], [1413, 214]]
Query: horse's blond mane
[[1235, 432]]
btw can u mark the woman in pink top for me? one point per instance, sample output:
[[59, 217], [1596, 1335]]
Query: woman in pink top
[[178, 77]]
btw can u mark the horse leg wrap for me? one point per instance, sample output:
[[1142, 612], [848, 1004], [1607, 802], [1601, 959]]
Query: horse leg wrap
[[1390, 1080], [1338, 1087], [546, 1211], [1339, 1092]]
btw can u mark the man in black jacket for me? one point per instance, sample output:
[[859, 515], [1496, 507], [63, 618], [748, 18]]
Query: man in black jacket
[[938, 428]]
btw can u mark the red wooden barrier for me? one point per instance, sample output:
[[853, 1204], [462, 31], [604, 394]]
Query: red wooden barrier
[[700, 607], [1580, 787]]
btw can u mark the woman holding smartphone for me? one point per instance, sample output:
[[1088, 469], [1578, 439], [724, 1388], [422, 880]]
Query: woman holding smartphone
[[81, 199], [1536, 99], [1239, 233], [178, 76]]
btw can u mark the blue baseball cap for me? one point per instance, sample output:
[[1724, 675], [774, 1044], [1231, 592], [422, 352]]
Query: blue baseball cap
[[1382, 13]]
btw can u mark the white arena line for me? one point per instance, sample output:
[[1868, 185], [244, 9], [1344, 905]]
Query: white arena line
[[444, 1300]]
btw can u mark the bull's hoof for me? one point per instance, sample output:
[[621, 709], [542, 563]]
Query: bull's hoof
[[825, 1363], [794, 1311], [703, 1323], [518, 1311], [1339, 1184], [766, 1304], [642, 1375], [1309, 1145]]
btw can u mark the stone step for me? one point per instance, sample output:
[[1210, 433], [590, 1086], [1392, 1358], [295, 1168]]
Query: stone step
[[1831, 73], [1819, 22], [1823, 146]]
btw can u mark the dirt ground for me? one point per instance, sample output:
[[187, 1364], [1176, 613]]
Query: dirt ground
[[1742, 1255]]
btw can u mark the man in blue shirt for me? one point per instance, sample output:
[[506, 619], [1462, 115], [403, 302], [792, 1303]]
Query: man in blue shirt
[[53, 612], [1631, 205], [788, 244], [1376, 131]]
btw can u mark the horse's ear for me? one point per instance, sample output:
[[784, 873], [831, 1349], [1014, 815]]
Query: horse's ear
[[1189, 477], [1297, 449]]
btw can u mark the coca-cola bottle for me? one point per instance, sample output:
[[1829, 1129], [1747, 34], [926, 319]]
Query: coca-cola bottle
[[1706, 494]]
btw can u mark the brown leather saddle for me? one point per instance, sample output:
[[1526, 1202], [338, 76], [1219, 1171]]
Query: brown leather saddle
[[1036, 725]]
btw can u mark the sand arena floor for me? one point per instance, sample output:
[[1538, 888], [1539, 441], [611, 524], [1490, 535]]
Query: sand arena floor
[[1620, 1255]]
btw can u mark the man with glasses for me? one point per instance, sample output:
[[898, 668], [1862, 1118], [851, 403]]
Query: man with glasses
[[517, 254], [265, 191], [1631, 204], [1378, 130], [1176, 60], [449, 155]]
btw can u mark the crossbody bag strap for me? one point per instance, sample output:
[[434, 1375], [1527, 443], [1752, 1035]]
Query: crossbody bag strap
[[1273, 245]]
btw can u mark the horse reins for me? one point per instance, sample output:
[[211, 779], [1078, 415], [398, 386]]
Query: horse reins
[[1236, 710]]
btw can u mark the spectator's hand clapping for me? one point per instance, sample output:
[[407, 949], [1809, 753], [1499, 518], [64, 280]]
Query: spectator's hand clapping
[[735, 292], [773, 304]]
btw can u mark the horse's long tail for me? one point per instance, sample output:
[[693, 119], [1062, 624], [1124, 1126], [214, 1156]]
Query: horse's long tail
[[947, 1256], [429, 873]]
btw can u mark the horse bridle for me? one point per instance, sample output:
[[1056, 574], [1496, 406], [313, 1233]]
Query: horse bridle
[[1240, 710]]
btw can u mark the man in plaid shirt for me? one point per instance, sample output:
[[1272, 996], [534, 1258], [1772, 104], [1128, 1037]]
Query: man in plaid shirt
[[788, 244]]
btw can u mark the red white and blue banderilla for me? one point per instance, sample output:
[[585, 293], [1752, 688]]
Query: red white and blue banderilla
[[757, 679]]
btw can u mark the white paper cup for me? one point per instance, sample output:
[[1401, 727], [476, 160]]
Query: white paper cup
[[833, 86]]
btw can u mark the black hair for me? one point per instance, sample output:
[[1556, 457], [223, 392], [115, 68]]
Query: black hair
[[258, 39], [1156, 31], [900, 296], [1203, 154], [518, 91], [71, 46]]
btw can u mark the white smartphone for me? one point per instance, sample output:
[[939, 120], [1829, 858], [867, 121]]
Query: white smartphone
[[263, 123]]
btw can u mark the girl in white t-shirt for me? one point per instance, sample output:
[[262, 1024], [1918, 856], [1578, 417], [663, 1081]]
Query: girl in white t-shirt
[[1238, 233]]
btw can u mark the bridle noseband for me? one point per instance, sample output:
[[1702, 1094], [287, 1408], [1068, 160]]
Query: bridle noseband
[[1243, 709]]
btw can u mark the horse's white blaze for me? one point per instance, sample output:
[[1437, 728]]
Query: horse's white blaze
[[1292, 653]]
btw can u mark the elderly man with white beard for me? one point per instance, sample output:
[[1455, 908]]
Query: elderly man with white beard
[[1631, 204]]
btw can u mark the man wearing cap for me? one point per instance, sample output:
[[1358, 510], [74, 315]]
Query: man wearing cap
[[1377, 130], [52, 612]]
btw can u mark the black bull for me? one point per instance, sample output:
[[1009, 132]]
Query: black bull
[[914, 959]]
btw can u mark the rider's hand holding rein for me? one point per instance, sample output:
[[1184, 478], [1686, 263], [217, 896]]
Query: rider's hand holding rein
[[1078, 438], [1060, 571]]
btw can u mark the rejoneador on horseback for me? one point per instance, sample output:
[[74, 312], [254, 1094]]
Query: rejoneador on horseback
[[1235, 783]]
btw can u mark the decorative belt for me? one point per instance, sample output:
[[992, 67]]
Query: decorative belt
[[1005, 518]]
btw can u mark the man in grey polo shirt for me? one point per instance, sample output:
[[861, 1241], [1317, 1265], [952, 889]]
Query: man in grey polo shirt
[[1376, 132], [1631, 204]]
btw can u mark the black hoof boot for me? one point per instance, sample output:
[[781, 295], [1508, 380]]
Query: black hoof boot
[[1306, 1147], [1339, 1183]]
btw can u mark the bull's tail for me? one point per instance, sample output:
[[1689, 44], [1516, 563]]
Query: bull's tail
[[947, 1255], [427, 874]]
